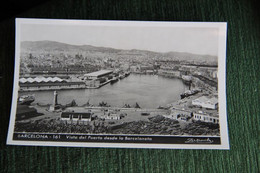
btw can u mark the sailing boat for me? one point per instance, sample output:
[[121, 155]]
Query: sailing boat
[[126, 106], [137, 105]]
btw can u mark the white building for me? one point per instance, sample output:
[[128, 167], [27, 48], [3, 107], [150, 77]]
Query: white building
[[76, 116], [110, 115], [205, 118], [179, 115], [206, 102]]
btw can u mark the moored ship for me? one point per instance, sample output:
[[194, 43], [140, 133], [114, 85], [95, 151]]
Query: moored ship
[[121, 76], [26, 99], [187, 79], [127, 74], [114, 80], [189, 93]]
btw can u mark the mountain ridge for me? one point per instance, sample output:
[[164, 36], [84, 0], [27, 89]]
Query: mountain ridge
[[54, 46]]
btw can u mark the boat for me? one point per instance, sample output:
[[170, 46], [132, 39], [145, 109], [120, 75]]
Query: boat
[[162, 107], [103, 104], [126, 106], [71, 104], [189, 93], [145, 113], [127, 74], [87, 104], [137, 105], [114, 80], [26, 99], [121, 76], [187, 79]]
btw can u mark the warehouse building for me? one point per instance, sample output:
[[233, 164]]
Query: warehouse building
[[47, 83], [97, 74]]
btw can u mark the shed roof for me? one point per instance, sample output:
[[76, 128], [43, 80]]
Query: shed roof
[[40, 79], [98, 73], [208, 100]]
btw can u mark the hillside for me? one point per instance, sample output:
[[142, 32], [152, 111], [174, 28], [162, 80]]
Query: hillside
[[41, 48], [51, 46]]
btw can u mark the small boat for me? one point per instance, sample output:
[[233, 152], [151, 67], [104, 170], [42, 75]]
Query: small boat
[[71, 104], [26, 99], [121, 76], [145, 113], [137, 105], [126, 106], [161, 107], [103, 104], [114, 80], [127, 74], [189, 93], [88, 104]]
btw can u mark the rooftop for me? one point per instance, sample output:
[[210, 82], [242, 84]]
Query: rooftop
[[209, 100], [50, 84], [98, 73], [40, 79]]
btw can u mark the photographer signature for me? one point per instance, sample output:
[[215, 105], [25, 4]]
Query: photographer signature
[[199, 141]]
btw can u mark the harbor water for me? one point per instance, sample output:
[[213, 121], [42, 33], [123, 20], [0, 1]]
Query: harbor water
[[149, 91]]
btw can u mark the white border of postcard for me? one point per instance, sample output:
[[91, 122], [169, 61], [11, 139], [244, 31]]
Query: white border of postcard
[[222, 26]]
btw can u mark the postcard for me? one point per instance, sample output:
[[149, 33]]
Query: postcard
[[120, 84]]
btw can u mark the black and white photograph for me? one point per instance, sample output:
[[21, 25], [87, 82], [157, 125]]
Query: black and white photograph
[[124, 84]]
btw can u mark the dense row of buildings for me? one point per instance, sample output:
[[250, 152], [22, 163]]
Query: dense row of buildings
[[201, 116], [86, 116], [180, 115], [89, 80], [48, 83]]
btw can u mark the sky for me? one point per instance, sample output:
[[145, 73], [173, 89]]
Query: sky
[[197, 40]]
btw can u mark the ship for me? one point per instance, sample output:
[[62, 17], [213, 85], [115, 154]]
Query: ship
[[137, 105], [187, 79], [189, 93], [162, 107], [114, 80], [26, 99], [145, 113], [103, 104], [121, 76], [126, 106], [127, 74]]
